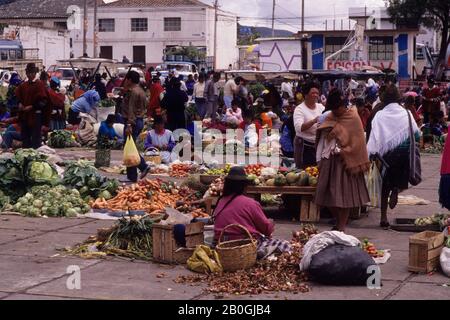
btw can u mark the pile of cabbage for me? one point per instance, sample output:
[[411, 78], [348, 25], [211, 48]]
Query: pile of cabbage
[[27, 168], [50, 201]]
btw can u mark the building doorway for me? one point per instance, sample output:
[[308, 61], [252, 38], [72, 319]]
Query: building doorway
[[139, 54]]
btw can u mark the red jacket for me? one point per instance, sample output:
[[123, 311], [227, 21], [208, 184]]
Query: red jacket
[[31, 94], [154, 103]]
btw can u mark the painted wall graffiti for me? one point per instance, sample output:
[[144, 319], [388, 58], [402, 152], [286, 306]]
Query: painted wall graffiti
[[280, 55]]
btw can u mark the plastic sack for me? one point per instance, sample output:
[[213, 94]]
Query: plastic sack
[[204, 260], [445, 261], [341, 265], [131, 157], [176, 217], [374, 182]]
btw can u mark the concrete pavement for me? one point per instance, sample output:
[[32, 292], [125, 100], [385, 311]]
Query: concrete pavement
[[32, 269]]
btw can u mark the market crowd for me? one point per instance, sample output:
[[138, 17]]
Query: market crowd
[[341, 125]]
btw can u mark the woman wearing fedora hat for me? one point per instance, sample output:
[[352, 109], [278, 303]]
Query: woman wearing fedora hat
[[234, 207]]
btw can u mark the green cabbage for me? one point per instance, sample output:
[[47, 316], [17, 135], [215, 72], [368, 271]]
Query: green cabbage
[[42, 172]]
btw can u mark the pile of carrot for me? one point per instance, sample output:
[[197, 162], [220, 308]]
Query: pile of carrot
[[145, 195], [199, 213], [180, 170]]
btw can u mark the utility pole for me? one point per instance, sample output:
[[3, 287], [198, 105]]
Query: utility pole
[[95, 30], [303, 15], [273, 20], [85, 23], [216, 5]]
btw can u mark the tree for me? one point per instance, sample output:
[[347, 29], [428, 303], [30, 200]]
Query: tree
[[429, 13]]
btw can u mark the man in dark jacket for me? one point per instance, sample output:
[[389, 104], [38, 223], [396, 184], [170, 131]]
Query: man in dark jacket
[[34, 111], [134, 108]]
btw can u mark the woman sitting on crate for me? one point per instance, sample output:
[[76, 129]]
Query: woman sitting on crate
[[236, 208], [160, 140]]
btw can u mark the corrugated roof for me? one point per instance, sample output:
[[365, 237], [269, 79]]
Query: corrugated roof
[[154, 3], [39, 9]]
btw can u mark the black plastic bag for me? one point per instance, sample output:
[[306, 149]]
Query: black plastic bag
[[341, 265]]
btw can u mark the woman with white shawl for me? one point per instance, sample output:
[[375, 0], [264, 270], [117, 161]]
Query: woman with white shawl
[[389, 139]]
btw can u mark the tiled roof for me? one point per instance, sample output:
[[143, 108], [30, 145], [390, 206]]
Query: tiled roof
[[38, 9], [154, 3]]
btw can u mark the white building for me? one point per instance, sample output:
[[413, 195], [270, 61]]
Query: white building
[[39, 24], [52, 44], [142, 30]]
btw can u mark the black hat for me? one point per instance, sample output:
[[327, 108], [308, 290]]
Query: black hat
[[31, 67], [111, 118], [237, 174]]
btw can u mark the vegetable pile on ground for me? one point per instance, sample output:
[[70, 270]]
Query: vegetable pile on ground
[[128, 237], [27, 168], [441, 219], [62, 139], [150, 196], [268, 276], [271, 199], [49, 201], [369, 247], [180, 170], [86, 178]]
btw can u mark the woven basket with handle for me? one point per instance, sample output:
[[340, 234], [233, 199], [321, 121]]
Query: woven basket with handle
[[237, 254]]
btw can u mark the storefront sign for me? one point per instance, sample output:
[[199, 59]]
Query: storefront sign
[[357, 65]]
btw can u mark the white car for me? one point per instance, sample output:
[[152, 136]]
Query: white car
[[64, 74]]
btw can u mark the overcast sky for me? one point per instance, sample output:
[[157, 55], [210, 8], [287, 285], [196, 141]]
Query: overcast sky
[[289, 11]]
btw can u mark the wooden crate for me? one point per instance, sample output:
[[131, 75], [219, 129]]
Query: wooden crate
[[424, 251], [210, 203], [309, 212], [165, 248]]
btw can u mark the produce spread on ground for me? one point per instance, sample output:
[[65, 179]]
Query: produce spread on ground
[[35, 186]]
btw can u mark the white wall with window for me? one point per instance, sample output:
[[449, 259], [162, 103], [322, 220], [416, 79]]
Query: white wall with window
[[53, 44], [122, 28]]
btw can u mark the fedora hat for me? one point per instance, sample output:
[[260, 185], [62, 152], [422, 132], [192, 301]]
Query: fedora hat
[[237, 174]]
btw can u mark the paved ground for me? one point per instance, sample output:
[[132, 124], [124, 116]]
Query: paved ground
[[30, 269]]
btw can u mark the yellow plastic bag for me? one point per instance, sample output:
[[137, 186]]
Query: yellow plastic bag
[[131, 157], [204, 260]]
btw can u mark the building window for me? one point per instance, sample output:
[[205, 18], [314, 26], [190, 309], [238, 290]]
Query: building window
[[334, 44], [106, 25], [381, 48], [60, 25], [172, 24], [139, 24]]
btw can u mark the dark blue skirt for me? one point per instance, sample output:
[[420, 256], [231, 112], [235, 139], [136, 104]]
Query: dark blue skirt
[[444, 191]]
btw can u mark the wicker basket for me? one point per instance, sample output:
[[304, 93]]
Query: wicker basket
[[153, 159], [102, 158], [237, 254]]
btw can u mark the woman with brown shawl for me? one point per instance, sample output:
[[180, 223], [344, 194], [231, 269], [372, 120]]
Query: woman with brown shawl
[[342, 158]]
